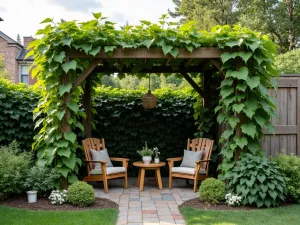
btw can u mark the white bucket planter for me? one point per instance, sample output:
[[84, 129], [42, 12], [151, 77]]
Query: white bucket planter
[[147, 159], [32, 196], [156, 160]]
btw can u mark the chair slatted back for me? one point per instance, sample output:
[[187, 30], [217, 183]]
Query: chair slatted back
[[95, 144], [201, 144]]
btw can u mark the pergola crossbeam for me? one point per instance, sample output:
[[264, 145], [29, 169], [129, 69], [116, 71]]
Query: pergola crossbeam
[[152, 53], [155, 69]]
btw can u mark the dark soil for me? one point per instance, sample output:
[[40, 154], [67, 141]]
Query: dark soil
[[45, 204], [198, 204]]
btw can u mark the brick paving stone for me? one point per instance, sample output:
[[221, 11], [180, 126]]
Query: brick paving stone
[[150, 207]]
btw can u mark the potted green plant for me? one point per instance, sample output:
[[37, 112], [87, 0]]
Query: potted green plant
[[146, 153], [156, 153]]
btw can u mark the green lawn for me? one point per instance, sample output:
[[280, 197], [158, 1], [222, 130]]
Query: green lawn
[[12, 216], [284, 215]]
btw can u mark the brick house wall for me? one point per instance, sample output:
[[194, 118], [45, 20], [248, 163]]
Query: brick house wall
[[10, 53], [14, 56]]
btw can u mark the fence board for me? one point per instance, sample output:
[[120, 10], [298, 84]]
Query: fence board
[[287, 126]]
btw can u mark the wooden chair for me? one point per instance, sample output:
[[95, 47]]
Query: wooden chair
[[200, 172], [106, 173]]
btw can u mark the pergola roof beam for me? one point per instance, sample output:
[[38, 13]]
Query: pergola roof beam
[[152, 53]]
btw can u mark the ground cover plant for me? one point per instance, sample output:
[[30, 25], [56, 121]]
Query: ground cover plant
[[13, 216], [247, 68], [275, 216], [258, 181]]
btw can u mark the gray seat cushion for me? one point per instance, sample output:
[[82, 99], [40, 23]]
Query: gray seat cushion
[[109, 170], [190, 158], [101, 155], [187, 170]]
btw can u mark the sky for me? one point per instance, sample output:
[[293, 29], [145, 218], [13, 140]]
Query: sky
[[24, 16]]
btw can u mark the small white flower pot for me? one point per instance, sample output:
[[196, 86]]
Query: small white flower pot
[[32, 196], [147, 159], [156, 160]]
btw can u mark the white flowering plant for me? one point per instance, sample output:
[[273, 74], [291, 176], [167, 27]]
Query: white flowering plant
[[233, 200], [58, 197], [156, 152]]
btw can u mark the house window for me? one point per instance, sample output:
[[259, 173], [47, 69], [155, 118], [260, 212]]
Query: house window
[[24, 74]]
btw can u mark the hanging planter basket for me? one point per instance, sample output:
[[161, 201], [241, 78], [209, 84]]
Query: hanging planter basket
[[149, 101]]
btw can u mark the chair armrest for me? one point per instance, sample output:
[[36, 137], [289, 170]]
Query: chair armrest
[[175, 159], [119, 159], [123, 160], [171, 162], [200, 161], [95, 161]]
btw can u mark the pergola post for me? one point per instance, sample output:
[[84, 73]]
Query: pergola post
[[87, 105]]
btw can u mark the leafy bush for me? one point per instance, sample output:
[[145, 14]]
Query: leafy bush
[[258, 181], [81, 194], [13, 168], [42, 180], [212, 190], [290, 169], [16, 105], [288, 62]]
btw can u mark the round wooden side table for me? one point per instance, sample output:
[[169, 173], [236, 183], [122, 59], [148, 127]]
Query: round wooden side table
[[152, 166]]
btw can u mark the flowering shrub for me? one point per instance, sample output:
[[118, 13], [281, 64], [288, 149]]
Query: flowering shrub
[[233, 200], [58, 197]]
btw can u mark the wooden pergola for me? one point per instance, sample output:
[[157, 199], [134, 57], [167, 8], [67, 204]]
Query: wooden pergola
[[100, 64]]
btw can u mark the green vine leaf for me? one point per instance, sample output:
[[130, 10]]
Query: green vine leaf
[[61, 144], [233, 121], [238, 107], [174, 52], [86, 47], [47, 20], [97, 15], [226, 91], [73, 106], [241, 74], [245, 56], [60, 57], [109, 49], [69, 66], [228, 55], [148, 42], [64, 89], [227, 133], [63, 171], [67, 41], [95, 51], [72, 179], [70, 161], [253, 45], [60, 114], [253, 82], [260, 120], [241, 142], [189, 48], [249, 129], [64, 152], [166, 49], [70, 136]]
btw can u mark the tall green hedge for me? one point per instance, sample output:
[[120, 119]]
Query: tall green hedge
[[126, 126], [16, 105], [118, 117]]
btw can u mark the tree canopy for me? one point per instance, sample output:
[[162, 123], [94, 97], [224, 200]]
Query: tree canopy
[[279, 19], [289, 62]]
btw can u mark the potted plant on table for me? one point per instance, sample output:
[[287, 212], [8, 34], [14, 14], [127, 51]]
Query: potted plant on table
[[156, 153], [146, 153]]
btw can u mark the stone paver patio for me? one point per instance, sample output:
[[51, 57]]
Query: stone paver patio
[[150, 207]]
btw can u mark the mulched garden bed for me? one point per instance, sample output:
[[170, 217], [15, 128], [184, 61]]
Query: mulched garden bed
[[198, 204], [45, 204]]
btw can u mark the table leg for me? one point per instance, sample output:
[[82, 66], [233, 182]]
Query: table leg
[[159, 178], [142, 177], [156, 182], [139, 177]]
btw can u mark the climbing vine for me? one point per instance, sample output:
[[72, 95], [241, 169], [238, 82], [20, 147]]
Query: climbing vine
[[244, 105]]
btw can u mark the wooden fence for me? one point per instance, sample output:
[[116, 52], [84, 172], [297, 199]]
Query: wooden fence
[[287, 125]]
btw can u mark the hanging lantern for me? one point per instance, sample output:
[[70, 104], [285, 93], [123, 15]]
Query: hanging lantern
[[149, 100]]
